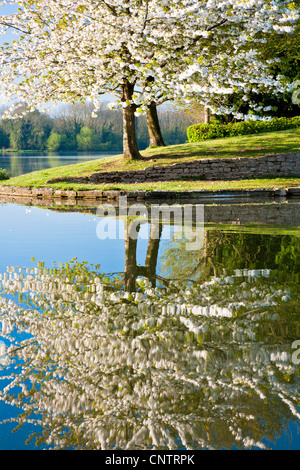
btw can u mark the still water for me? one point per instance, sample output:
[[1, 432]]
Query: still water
[[122, 343], [20, 163]]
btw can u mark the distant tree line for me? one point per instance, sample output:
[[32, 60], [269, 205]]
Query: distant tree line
[[73, 129]]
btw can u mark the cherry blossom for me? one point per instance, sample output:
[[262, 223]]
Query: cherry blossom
[[142, 52]]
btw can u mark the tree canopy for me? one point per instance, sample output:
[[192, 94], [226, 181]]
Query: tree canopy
[[139, 51]]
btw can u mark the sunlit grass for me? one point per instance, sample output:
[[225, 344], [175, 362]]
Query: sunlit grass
[[263, 183], [243, 146]]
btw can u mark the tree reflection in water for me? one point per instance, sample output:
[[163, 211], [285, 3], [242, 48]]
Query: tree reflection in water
[[126, 362]]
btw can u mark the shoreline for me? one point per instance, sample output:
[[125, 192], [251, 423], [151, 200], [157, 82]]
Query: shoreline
[[268, 213], [97, 194]]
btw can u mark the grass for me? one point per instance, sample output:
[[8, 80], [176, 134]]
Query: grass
[[243, 146], [256, 229], [265, 183]]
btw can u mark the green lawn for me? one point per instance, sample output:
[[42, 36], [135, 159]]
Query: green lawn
[[242, 146]]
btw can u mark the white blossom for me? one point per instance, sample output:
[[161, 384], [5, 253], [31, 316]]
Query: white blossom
[[84, 49]]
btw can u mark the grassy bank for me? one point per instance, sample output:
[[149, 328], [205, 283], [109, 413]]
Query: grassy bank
[[244, 146], [263, 183]]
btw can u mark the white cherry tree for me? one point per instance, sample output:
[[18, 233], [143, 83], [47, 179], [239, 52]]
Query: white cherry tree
[[141, 51]]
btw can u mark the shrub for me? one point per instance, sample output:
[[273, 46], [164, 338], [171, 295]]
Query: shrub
[[4, 175], [200, 132], [87, 139], [55, 141]]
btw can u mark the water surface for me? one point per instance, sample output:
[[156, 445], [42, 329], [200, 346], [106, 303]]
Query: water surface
[[143, 344], [20, 163]]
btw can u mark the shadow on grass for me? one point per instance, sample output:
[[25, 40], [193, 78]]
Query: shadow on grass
[[234, 153], [258, 178], [253, 145]]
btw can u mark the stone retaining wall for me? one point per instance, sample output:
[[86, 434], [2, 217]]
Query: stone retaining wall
[[18, 192], [206, 169]]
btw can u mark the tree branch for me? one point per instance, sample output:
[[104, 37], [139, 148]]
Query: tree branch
[[110, 8], [10, 25]]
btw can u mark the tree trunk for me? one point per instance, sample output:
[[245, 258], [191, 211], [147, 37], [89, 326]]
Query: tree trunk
[[152, 251], [130, 271], [206, 115], [130, 146], [155, 135]]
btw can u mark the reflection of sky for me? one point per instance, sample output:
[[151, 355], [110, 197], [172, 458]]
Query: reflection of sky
[[288, 440], [15, 245], [48, 236]]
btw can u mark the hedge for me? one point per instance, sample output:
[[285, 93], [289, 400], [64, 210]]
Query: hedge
[[3, 174], [200, 132]]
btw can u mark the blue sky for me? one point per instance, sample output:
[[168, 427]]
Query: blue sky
[[6, 10]]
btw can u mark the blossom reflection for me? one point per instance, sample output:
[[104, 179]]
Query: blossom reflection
[[160, 367]]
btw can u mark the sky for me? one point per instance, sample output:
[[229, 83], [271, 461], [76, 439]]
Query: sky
[[6, 10]]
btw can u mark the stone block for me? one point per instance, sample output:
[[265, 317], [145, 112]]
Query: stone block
[[113, 194], [22, 191], [59, 193], [293, 192], [280, 192], [6, 190], [89, 194], [42, 192]]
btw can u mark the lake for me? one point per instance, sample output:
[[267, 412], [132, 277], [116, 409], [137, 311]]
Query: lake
[[119, 332], [20, 163]]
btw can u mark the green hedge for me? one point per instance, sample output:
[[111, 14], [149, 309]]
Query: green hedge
[[200, 132], [3, 174]]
